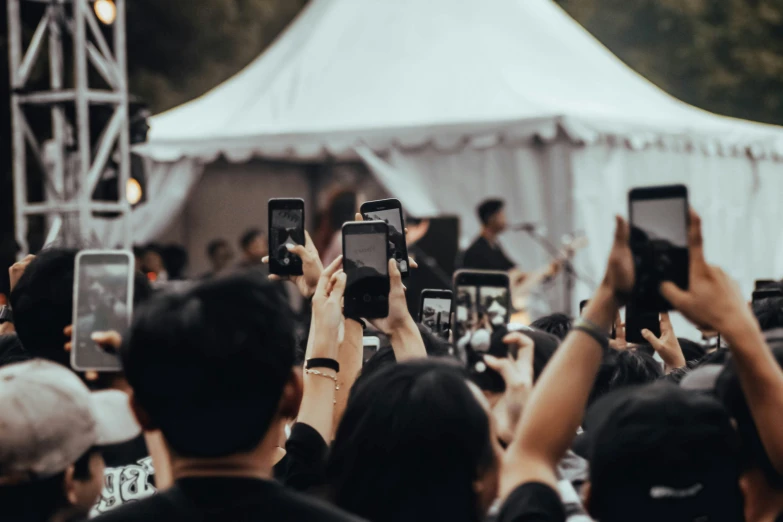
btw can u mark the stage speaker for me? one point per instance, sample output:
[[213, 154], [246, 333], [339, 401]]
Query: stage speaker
[[441, 242]]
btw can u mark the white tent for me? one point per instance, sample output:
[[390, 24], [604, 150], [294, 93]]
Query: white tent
[[452, 101]]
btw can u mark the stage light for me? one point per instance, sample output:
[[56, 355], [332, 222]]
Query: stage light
[[133, 191], [105, 10]]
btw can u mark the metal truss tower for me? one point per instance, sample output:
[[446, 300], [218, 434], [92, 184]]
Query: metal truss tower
[[72, 171]]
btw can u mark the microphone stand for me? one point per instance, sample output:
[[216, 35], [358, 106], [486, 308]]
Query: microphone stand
[[554, 254]]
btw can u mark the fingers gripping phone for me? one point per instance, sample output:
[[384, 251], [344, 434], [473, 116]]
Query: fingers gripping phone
[[659, 242], [482, 305], [390, 212], [366, 265], [637, 320], [102, 301], [286, 227], [435, 311]]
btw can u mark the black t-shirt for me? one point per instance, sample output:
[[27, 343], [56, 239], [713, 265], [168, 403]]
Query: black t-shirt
[[224, 499], [304, 464], [481, 255], [128, 477], [532, 502]]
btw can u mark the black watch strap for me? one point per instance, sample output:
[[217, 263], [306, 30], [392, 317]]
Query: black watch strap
[[322, 363]]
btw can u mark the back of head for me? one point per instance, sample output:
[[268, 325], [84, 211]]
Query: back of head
[[43, 304], [556, 324], [692, 351], [342, 208], [411, 443], [215, 245], [11, 350], [488, 208], [729, 392], [624, 368], [769, 313], [248, 237], [659, 452], [209, 365]]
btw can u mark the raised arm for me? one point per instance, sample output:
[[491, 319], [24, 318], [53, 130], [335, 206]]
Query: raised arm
[[556, 406], [350, 358], [713, 301]]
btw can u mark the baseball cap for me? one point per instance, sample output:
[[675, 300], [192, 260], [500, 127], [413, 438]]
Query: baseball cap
[[50, 419], [659, 452]]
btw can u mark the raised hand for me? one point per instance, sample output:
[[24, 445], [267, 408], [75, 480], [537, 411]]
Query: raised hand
[[311, 267], [667, 345], [327, 300], [713, 301], [619, 269], [398, 307]]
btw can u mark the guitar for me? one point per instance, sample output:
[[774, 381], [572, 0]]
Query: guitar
[[523, 283]]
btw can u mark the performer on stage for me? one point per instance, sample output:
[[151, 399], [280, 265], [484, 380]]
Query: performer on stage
[[486, 253]]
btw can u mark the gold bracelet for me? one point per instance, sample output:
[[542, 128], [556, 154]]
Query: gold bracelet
[[333, 377]]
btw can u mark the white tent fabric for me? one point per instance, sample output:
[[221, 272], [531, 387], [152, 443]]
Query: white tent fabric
[[452, 101]]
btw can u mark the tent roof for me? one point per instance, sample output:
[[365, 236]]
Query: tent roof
[[440, 73]]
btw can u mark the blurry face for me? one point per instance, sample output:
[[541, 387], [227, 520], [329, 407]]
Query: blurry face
[[84, 493], [497, 223], [153, 262], [257, 248], [486, 486], [222, 258]]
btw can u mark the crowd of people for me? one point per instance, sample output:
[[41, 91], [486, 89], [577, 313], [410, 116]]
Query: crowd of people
[[225, 411]]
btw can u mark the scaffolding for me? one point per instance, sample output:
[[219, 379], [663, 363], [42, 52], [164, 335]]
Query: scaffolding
[[74, 169]]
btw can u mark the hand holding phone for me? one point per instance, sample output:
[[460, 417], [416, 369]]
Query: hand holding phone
[[286, 230], [659, 242], [102, 302]]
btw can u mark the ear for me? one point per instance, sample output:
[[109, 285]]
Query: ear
[[292, 395], [142, 417], [69, 487]]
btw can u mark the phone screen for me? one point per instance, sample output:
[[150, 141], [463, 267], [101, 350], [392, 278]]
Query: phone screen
[[365, 264], [659, 240], [103, 302], [436, 314], [286, 228], [397, 247], [479, 310], [370, 345]]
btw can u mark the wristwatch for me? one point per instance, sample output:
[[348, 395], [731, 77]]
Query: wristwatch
[[6, 316]]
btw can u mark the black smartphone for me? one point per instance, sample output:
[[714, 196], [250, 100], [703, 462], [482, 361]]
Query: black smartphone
[[366, 265], [766, 293], [102, 301], [390, 212], [286, 227], [765, 283], [637, 320], [435, 311], [659, 242]]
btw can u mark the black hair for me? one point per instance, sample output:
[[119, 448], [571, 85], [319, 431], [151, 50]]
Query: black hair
[[545, 345], [175, 259], [33, 501], [43, 304], [11, 350], [729, 392], [621, 368], [215, 245], [769, 313], [342, 208], [209, 365], [417, 415], [488, 208], [692, 351], [557, 324], [248, 237]]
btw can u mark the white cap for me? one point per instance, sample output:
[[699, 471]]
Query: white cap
[[49, 419]]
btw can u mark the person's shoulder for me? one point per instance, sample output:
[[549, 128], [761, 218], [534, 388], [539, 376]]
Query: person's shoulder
[[305, 507], [532, 502]]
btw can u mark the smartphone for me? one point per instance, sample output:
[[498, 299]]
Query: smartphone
[[390, 212], [765, 283], [370, 344], [637, 320], [659, 242], [286, 227], [435, 311], [366, 265], [766, 293], [102, 301]]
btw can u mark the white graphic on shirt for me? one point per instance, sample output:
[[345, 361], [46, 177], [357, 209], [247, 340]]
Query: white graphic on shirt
[[125, 484]]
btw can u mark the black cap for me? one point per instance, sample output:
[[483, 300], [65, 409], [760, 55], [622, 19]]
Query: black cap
[[659, 452]]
